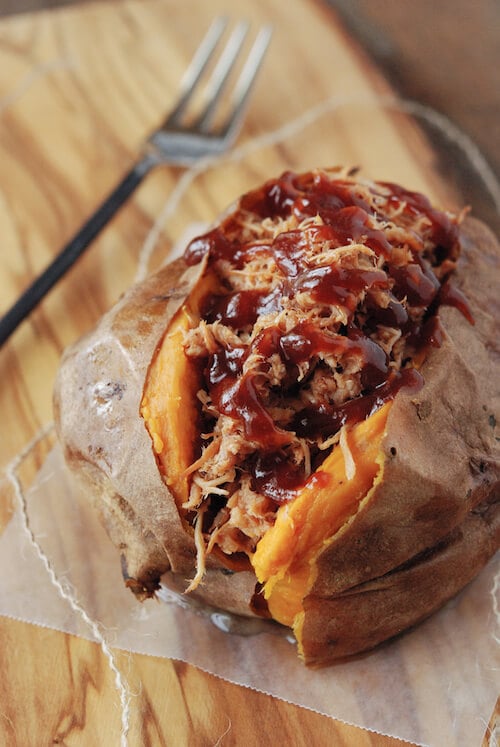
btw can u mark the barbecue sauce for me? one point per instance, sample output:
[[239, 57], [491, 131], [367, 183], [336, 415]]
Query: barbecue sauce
[[346, 217]]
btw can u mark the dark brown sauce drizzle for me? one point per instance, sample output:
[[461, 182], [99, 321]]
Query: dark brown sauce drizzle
[[346, 214]]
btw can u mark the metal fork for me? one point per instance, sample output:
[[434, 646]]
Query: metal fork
[[177, 141]]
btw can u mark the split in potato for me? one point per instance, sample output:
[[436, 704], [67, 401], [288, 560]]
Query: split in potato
[[316, 392]]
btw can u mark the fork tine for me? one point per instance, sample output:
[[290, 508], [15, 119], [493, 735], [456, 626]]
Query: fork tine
[[196, 69], [170, 143], [246, 80], [220, 75]]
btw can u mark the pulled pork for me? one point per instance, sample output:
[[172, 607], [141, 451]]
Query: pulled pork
[[328, 288]]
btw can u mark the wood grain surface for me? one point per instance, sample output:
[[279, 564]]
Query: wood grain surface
[[58, 689], [80, 90]]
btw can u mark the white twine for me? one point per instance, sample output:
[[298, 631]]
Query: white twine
[[495, 595], [224, 734], [165, 214], [270, 138], [34, 74], [64, 589], [494, 739]]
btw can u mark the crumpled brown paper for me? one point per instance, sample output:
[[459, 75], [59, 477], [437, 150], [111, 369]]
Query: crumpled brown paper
[[436, 685]]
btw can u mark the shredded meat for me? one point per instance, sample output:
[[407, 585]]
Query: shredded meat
[[327, 281], [246, 517]]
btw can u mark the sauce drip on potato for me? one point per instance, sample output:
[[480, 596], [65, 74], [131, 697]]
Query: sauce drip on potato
[[319, 302], [393, 277]]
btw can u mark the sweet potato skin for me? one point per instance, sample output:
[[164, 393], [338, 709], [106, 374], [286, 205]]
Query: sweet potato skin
[[97, 398], [425, 530], [361, 617], [433, 521]]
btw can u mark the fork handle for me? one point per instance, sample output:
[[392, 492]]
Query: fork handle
[[74, 248]]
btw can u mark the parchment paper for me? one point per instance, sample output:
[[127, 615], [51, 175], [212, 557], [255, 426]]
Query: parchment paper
[[436, 685]]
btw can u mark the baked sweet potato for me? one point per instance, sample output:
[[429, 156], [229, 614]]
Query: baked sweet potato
[[298, 419]]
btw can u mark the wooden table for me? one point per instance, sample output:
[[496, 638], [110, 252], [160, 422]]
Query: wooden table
[[80, 89]]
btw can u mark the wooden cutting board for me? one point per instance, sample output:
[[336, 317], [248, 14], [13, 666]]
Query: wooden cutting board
[[80, 90]]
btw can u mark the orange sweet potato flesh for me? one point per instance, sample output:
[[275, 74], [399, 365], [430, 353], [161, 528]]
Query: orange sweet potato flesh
[[169, 405], [285, 558]]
